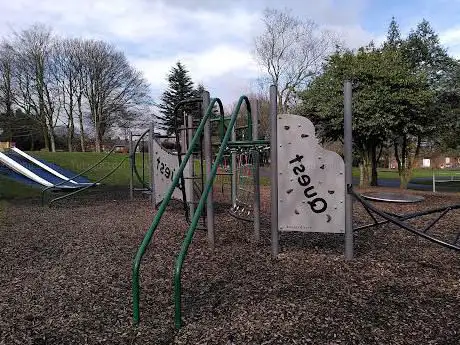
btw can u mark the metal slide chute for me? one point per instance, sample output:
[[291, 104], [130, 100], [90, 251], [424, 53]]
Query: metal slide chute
[[15, 166], [41, 165], [38, 172]]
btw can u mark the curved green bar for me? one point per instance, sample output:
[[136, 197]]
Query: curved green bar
[[196, 216], [162, 208]]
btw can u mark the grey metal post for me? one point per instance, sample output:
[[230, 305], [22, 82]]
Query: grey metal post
[[191, 173], [255, 136], [131, 182], [152, 164], [234, 172], [434, 182], [274, 168], [348, 148], [208, 159]]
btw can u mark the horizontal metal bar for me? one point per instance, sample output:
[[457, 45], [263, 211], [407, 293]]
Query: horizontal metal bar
[[248, 143]]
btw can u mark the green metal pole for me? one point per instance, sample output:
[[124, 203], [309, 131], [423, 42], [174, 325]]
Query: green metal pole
[[161, 210], [191, 230]]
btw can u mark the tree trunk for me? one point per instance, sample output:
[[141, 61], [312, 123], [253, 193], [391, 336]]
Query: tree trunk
[[46, 138], [70, 129], [52, 139], [80, 122], [374, 164], [405, 162], [70, 135], [404, 178], [98, 140], [365, 168], [97, 143]]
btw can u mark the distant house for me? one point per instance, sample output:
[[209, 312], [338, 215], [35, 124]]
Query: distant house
[[121, 146], [437, 162], [440, 162]]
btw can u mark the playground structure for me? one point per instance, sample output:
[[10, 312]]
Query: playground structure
[[237, 169], [311, 188]]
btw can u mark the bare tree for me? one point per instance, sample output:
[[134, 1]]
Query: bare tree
[[111, 86], [291, 51], [66, 67], [36, 93], [6, 87]]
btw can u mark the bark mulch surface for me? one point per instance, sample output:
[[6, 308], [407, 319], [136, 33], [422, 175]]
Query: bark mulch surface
[[65, 278]]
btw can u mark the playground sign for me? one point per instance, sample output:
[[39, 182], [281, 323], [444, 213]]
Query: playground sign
[[311, 180], [165, 165]]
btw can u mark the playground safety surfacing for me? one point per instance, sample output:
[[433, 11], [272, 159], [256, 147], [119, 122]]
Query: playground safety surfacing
[[65, 279]]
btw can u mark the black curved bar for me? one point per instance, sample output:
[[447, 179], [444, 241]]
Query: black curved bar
[[89, 186], [407, 227], [77, 175], [132, 156]]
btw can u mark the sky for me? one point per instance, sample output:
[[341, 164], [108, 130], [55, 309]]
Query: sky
[[214, 38]]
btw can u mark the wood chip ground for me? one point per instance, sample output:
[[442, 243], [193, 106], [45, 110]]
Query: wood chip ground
[[65, 278]]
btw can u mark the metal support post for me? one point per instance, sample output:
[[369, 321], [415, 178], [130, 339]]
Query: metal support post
[[348, 148], [191, 173], [255, 136], [152, 164], [234, 169], [274, 168], [208, 159], [131, 163]]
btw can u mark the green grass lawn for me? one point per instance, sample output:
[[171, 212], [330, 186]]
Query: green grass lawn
[[79, 161], [10, 189]]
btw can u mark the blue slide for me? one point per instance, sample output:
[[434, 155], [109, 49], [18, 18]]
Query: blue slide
[[20, 166]]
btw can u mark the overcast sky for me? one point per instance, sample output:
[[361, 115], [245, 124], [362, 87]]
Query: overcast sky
[[213, 38]]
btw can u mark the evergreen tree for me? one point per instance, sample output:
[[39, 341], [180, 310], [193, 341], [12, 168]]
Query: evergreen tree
[[393, 35], [425, 53], [180, 88]]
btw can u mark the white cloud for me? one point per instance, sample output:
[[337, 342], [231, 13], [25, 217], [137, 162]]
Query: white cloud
[[213, 39], [204, 67], [451, 39]]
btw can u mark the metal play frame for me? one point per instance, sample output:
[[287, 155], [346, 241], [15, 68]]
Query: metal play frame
[[228, 143]]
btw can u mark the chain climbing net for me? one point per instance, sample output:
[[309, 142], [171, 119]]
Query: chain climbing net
[[247, 160]]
